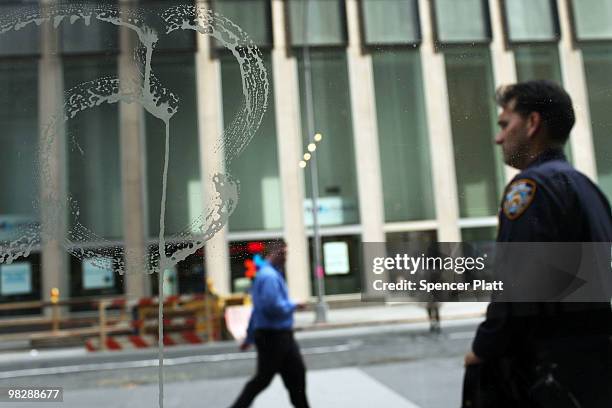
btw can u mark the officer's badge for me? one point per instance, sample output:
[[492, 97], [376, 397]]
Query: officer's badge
[[519, 196]]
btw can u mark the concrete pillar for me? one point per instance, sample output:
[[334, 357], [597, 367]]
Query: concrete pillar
[[210, 128], [287, 101], [365, 131], [504, 66], [53, 188], [439, 129], [133, 175], [572, 69]]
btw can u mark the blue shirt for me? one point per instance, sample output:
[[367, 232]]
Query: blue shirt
[[272, 308]]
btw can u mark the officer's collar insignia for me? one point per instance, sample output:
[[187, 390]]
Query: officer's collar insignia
[[519, 196]]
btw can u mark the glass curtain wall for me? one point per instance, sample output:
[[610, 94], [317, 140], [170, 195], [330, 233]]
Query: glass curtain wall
[[480, 177], [184, 195], [260, 202], [392, 34], [329, 86], [594, 35], [597, 67], [94, 155]]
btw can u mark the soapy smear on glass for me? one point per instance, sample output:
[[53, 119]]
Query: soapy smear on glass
[[144, 89]]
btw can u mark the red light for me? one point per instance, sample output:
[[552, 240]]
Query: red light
[[251, 269], [255, 247]]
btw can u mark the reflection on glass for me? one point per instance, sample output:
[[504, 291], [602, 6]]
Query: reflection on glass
[[260, 203], [473, 117], [335, 153], [402, 133]]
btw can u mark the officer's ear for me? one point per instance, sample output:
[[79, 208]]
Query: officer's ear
[[534, 124]]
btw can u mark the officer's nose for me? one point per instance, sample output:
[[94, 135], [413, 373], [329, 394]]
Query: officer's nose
[[499, 138]]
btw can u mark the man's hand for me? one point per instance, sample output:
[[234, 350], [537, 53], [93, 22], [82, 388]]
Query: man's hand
[[471, 359], [245, 346]]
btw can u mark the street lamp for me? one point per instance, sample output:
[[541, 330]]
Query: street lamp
[[321, 307]]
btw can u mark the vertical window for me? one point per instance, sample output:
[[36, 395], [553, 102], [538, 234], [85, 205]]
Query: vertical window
[[22, 42], [94, 165], [480, 176], [320, 22], [403, 138], [538, 62], [462, 21], [18, 144], [89, 36], [335, 154], [252, 16], [390, 21], [341, 257], [260, 203], [592, 19], [597, 67], [184, 195], [531, 20]]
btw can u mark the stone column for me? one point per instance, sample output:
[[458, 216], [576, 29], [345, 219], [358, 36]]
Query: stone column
[[210, 128], [53, 188], [574, 80], [365, 131], [288, 132], [133, 174], [504, 66], [439, 129]]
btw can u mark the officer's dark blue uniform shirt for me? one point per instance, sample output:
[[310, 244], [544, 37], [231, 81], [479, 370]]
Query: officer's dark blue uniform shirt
[[550, 201]]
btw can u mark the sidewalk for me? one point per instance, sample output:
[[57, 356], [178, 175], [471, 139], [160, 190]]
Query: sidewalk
[[341, 387], [393, 313]]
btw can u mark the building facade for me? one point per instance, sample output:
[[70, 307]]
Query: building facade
[[403, 96]]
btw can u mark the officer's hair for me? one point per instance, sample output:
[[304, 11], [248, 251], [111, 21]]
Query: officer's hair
[[545, 97]]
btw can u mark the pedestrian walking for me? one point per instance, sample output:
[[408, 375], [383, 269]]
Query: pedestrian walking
[[543, 354], [271, 330]]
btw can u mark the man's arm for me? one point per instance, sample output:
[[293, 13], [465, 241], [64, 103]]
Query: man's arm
[[273, 301]]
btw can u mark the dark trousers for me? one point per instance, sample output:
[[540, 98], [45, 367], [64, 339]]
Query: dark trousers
[[277, 352]]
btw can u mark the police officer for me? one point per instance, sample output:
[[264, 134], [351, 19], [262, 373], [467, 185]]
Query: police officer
[[543, 354]]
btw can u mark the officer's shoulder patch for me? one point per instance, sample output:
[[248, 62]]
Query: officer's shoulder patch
[[519, 196]]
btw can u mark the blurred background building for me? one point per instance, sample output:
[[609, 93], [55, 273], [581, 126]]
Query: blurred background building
[[403, 96]]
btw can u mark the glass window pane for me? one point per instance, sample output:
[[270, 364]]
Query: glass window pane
[[25, 40], [325, 25], [592, 19], [461, 21], [480, 175], [94, 164], [260, 202], [479, 234], [597, 67], [93, 36], [335, 153], [18, 142], [402, 134], [538, 62], [531, 20], [346, 279], [184, 195], [176, 40], [252, 16], [390, 21]]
